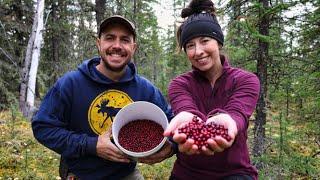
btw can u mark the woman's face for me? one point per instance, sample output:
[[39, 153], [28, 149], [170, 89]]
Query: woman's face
[[203, 53]]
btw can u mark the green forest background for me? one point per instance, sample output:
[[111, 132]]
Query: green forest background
[[279, 40]]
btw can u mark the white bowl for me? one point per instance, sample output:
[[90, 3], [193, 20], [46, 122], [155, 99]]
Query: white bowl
[[136, 111]]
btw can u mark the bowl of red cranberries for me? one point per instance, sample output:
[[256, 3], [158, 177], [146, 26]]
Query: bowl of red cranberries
[[137, 129]]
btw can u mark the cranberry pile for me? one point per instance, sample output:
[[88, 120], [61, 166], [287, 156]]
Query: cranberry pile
[[201, 132], [140, 135]]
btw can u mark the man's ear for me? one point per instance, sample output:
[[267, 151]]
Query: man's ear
[[98, 44], [135, 47]]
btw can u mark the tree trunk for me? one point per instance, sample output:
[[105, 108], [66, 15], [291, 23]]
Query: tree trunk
[[20, 35], [35, 58], [55, 40], [154, 61], [100, 9], [261, 110], [119, 7], [134, 21], [24, 72]]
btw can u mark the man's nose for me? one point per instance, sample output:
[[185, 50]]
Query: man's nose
[[116, 43]]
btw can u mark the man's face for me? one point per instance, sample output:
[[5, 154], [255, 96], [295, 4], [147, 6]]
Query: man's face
[[116, 47]]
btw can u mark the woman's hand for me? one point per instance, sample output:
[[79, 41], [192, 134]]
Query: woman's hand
[[185, 145], [218, 143]]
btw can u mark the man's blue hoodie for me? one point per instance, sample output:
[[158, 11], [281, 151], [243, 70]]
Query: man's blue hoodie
[[80, 106]]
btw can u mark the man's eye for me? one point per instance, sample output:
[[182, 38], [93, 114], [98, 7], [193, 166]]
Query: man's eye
[[126, 40], [108, 38]]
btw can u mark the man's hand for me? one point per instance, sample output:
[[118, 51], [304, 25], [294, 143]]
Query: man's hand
[[107, 150], [218, 143], [165, 152]]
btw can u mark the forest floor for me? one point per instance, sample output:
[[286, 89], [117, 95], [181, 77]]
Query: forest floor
[[22, 157]]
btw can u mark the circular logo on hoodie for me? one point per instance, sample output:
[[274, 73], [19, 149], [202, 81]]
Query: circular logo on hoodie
[[104, 108]]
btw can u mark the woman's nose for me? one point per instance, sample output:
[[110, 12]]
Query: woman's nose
[[198, 50]]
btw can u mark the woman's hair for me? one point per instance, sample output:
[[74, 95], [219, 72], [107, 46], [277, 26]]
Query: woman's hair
[[201, 21], [198, 6]]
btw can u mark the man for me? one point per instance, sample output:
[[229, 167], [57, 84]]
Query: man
[[76, 115]]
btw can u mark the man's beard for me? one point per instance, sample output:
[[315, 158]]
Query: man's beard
[[114, 69]]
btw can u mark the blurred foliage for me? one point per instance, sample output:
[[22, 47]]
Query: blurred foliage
[[292, 149], [22, 156], [15, 27]]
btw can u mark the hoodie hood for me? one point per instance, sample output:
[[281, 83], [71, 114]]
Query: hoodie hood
[[88, 68]]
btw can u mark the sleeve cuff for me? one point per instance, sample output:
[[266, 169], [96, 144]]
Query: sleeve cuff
[[92, 145], [199, 114], [241, 124], [174, 145], [215, 112]]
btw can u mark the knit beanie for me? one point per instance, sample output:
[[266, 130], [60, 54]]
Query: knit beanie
[[201, 24]]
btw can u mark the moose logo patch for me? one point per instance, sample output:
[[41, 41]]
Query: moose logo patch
[[104, 108]]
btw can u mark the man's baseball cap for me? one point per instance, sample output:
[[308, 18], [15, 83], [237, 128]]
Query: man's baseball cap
[[117, 19]]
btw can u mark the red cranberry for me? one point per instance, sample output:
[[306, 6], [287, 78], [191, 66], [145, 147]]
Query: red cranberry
[[201, 132], [140, 135]]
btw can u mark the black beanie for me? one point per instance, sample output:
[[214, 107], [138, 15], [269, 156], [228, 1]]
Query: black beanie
[[202, 24]]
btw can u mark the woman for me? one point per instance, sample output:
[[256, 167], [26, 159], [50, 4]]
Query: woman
[[214, 92]]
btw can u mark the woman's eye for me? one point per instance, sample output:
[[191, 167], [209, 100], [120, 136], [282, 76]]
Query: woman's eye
[[188, 46], [205, 40]]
